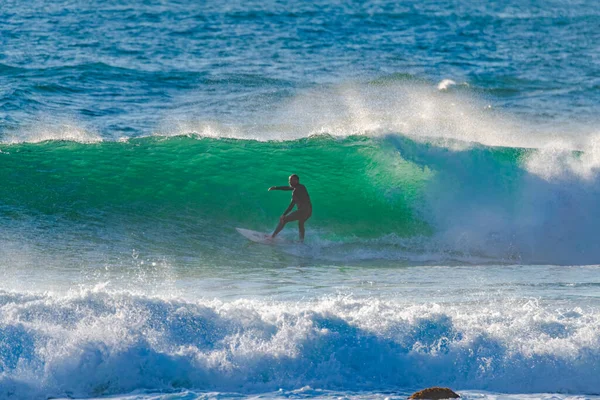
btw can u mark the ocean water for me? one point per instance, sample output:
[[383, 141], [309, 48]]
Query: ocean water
[[451, 150]]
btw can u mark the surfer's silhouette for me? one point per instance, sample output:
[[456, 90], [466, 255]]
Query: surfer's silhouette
[[301, 200]]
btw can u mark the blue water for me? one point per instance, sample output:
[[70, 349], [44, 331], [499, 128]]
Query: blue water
[[451, 150]]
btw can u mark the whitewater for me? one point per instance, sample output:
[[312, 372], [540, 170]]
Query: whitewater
[[451, 151]]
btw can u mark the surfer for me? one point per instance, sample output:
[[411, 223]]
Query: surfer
[[301, 200]]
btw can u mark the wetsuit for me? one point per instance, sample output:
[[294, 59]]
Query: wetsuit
[[301, 200]]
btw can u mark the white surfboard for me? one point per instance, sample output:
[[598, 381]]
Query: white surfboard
[[259, 237]]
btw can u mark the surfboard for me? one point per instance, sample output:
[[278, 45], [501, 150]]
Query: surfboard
[[259, 237]]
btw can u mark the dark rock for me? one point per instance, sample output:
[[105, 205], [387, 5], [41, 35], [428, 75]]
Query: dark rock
[[435, 393]]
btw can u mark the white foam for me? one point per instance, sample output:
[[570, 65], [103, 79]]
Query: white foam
[[557, 161], [98, 343], [445, 84]]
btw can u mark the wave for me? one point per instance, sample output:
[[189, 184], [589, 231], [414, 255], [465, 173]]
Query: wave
[[96, 343], [397, 168], [530, 205]]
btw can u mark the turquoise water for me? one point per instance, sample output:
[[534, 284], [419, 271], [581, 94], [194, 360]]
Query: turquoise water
[[450, 150]]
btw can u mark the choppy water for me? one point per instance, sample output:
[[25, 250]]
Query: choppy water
[[450, 150]]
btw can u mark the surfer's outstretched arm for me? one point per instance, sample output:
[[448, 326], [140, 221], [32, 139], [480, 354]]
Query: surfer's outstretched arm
[[281, 188]]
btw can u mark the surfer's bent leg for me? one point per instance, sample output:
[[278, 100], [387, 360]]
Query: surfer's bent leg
[[293, 216]]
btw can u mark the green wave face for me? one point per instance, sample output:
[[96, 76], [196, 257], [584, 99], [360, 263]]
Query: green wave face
[[380, 197], [359, 186]]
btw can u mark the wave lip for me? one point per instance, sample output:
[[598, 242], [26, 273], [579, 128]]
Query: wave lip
[[96, 344]]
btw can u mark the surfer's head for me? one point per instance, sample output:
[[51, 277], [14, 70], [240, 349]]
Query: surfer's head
[[294, 180]]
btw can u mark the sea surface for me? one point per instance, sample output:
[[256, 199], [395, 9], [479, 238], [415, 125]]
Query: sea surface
[[451, 150]]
